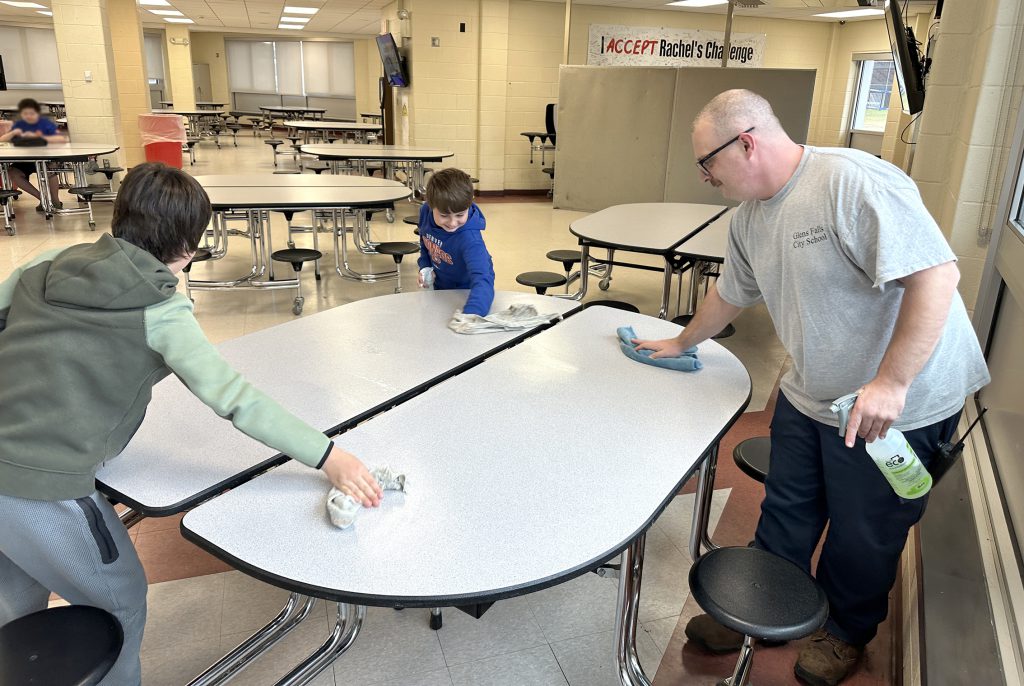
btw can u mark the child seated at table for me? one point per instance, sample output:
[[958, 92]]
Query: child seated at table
[[85, 333], [451, 246], [31, 124]]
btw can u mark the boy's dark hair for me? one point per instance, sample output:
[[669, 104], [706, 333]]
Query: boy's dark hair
[[450, 190], [28, 104], [162, 210]]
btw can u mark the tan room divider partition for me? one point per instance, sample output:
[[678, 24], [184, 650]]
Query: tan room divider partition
[[624, 132]]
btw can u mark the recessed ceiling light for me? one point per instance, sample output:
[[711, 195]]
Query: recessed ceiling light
[[178, 20], [295, 27], [847, 14], [26, 5], [300, 10], [697, 3], [166, 13], [47, 13], [295, 20], [155, 3]]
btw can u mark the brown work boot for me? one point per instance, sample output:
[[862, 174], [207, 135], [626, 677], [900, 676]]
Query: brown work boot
[[712, 636], [826, 660]]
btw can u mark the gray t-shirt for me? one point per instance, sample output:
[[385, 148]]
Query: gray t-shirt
[[825, 254]]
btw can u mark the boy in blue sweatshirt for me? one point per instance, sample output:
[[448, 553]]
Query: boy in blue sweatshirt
[[450, 241], [85, 333]]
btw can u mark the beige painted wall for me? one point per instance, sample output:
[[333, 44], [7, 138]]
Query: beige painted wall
[[130, 71], [177, 43], [208, 48], [974, 94]]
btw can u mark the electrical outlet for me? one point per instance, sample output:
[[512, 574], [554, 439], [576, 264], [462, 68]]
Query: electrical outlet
[[88, 76], [435, 42]]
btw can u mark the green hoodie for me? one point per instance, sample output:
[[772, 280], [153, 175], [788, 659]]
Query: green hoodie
[[84, 334]]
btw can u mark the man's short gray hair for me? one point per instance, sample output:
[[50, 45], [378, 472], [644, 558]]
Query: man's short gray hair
[[736, 110]]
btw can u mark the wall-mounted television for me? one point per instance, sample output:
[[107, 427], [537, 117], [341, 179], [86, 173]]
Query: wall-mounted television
[[394, 66], [907, 56]]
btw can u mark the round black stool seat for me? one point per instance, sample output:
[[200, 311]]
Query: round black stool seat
[[413, 219], [74, 645], [540, 279], [615, 304], [296, 256], [567, 257], [109, 172], [6, 194], [202, 255], [752, 456], [273, 142], [88, 191], [758, 594], [397, 249]]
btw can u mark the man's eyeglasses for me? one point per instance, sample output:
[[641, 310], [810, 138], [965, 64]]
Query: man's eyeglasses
[[702, 162]]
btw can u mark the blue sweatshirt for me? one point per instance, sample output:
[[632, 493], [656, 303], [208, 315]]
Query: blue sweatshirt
[[459, 258]]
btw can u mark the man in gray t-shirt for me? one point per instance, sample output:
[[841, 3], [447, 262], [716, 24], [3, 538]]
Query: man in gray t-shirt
[[861, 287]]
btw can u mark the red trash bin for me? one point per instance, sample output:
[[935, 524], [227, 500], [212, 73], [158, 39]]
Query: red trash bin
[[162, 137]]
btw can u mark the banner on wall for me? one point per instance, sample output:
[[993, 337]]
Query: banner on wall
[[648, 46]]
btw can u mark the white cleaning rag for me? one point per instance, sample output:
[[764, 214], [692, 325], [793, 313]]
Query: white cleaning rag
[[518, 316], [343, 508]]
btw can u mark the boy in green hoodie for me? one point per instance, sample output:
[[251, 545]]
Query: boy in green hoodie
[[85, 332]]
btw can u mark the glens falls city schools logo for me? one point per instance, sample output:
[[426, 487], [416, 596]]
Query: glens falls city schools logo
[[437, 255]]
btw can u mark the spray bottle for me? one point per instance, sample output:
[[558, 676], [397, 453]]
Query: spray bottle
[[893, 455]]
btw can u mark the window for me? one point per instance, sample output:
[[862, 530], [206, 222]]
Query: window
[[30, 57], [874, 85], [154, 48], [300, 68]]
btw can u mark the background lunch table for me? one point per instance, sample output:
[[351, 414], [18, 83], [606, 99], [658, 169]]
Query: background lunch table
[[332, 369], [649, 228], [320, 129], [75, 154], [548, 481], [389, 156]]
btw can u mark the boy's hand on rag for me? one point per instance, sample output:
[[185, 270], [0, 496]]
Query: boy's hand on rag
[[668, 347], [351, 477]]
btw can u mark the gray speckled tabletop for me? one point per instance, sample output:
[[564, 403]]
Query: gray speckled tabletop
[[303, 197], [331, 125], [533, 466], [375, 152], [56, 151], [645, 227], [295, 181], [709, 244], [327, 368]]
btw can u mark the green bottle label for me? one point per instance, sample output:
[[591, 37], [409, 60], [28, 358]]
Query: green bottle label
[[906, 474]]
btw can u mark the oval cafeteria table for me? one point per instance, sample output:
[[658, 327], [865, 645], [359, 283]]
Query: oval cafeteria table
[[658, 228], [701, 254], [552, 481], [77, 154], [255, 196], [198, 120], [306, 127], [333, 369]]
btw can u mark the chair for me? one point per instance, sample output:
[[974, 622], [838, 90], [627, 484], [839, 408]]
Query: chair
[[397, 250], [234, 129], [614, 304], [273, 143], [85, 194], [201, 256], [190, 143], [296, 257], [753, 457], [758, 594], [6, 196], [75, 645], [541, 281], [568, 258]]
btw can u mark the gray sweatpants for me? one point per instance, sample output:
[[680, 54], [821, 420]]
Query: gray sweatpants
[[79, 550]]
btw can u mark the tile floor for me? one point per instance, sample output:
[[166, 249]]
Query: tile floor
[[199, 609]]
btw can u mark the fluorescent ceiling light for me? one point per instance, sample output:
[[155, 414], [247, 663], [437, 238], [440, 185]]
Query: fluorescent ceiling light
[[27, 5], [155, 3], [296, 27], [166, 13], [697, 3], [847, 14], [178, 20], [48, 13], [295, 20], [300, 10]]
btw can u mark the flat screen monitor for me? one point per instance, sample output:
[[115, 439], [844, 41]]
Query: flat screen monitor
[[394, 66], [909, 75]]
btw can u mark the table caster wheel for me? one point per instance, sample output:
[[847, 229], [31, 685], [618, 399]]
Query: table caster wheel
[[435, 621], [10, 232], [604, 283], [92, 226], [390, 216], [49, 217], [318, 277], [297, 307]]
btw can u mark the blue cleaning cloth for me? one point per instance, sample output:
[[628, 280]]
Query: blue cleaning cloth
[[687, 362]]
